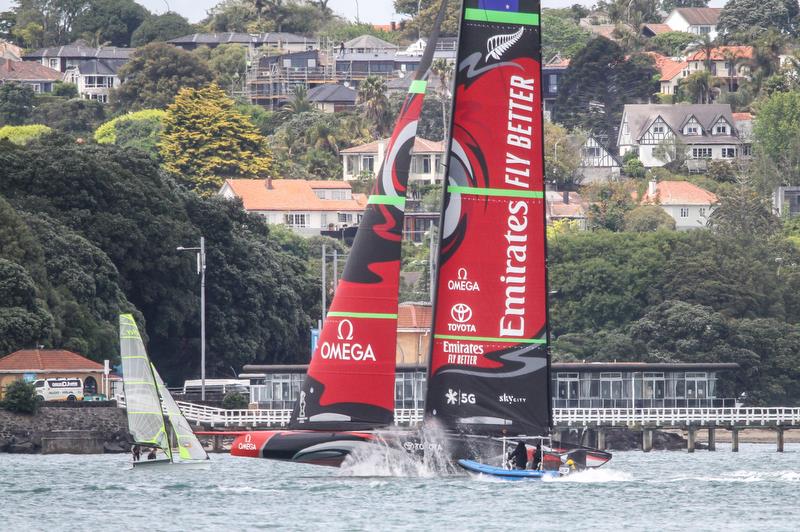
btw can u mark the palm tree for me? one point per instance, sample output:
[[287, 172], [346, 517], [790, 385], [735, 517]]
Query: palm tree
[[299, 102], [372, 98], [766, 57], [444, 71], [705, 44]]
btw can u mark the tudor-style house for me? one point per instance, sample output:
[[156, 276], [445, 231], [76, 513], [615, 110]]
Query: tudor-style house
[[707, 131], [306, 206], [426, 160], [598, 164]]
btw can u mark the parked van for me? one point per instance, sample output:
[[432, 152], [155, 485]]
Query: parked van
[[61, 389]]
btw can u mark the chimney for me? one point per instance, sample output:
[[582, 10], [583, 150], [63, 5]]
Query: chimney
[[652, 188], [9, 67], [394, 26], [269, 183], [565, 197]]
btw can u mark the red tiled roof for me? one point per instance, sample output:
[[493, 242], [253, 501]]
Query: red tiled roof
[[27, 71], [666, 66], [414, 316], [680, 193], [420, 146], [292, 195], [721, 53], [36, 360], [742, 117], [658, 28]]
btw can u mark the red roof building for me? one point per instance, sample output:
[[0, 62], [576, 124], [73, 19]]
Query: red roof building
[[688, 204], [413, 333], [426, 160], [34, 364], [39, 77]]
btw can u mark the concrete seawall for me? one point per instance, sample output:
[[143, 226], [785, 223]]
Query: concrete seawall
[[78, 430]]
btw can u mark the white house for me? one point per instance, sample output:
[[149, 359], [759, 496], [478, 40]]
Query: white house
[[332, 97], [687, 204], [306, 206], [708, 131], [95, 78], [697, 20], [426, 160], [64, 57], [727, 62], [598, 164]]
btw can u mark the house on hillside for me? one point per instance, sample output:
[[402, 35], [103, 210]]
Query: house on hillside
[[786, 201], [332, 97], [552, 72], [271, 79], [95, 78], [565, 205], [707, 131], [729, 63], [34, 364], [368, 44], [426, 160], [38, 77], [279, 41], [651, 30], [598, 164], [10, 50], [670, 71], [687, 204], [64, 57], [413, 333], [307, 207], [696, 20]]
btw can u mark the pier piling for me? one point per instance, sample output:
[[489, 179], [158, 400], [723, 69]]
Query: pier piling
[[735, 440], [780, 439], [601, 439], [691, 439], [712, 438], [647, 440]]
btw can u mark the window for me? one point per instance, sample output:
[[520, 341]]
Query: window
[[345, 217], [422, 164], [312, 63], [296, 220], [721, 129], [287, 63], [592, 151], [53, 63], [728, 153], [684, 212], [702, 211], [611, 385], [102, 98], [37, 87], [368, 163], [553, 80], [658, 130], [705, 29], [98, 82], [701, 153], [567, 385], [692, 130], [747, 150]]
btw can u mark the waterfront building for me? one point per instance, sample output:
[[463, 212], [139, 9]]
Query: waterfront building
[[35, 364], [573, 385]]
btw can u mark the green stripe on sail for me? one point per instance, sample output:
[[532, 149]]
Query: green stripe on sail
[[373, 315], [490, 339], [380, 199], [141, 382], [418, 86], [135, 356], [505, 17], [477, 191], [148, 413]]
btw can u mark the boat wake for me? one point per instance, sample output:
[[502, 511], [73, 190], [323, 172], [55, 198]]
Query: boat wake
[[390, 460], [594, 476], [745, 476]]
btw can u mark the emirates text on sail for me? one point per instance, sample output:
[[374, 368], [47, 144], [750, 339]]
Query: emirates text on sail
[[517, 173]]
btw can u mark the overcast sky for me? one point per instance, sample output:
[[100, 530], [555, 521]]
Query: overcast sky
[[376, 11]]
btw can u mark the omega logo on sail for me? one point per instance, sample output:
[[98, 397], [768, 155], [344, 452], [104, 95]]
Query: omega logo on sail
[[463, 284], [344, 349]]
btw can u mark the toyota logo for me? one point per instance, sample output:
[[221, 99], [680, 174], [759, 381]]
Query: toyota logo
[[461, 313]]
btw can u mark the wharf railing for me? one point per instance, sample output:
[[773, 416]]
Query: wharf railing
[[741, 417]]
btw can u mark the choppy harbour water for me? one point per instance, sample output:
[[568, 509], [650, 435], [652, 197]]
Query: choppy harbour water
[[756, 489]]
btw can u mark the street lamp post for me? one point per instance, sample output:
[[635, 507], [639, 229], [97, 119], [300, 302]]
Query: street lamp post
[[201, 270]]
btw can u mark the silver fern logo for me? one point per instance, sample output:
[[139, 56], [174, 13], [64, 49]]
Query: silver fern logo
[[500, 44]]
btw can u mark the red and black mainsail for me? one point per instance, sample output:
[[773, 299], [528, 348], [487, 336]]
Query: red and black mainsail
[[489, 369], [350, 381]]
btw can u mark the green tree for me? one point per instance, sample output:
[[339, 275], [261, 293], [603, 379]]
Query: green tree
[[24, 319], [77, 116], [48, 23], [16, 103], [672, 152], [646, 218], [444, 71], [109, 21], [671, 43], [299, 103], [777, 138], [668, 5], [228, 63], [745, 19], [598, 82], [743, 213], [155, 74], [65, 90], [23, 134], [20, 397], [610, 202], [374, 103], [562, 155], [561, 34], [206, 140], [140, 130], [159, 28]]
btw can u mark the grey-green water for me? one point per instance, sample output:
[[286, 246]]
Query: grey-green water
[[756, 489]]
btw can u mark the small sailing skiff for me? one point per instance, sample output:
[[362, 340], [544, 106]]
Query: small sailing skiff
[[154, 419]]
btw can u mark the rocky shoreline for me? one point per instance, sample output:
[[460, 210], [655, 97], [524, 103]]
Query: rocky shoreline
[[77, 430]]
